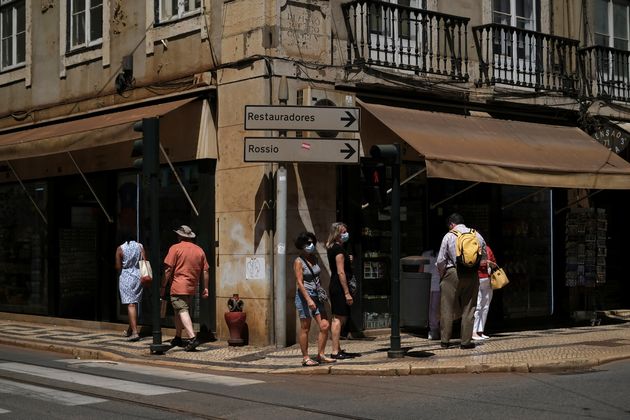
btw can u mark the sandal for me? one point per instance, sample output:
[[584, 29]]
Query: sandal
[[309, 362], [126, 333], [324, 359], [133, 337]]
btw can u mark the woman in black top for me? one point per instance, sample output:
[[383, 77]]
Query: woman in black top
[[341, 272]]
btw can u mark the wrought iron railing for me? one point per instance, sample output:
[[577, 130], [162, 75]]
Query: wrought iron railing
[[605, 73], [520, 57], [406, 38]]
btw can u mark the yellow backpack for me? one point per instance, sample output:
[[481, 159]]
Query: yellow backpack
[[468, 248]]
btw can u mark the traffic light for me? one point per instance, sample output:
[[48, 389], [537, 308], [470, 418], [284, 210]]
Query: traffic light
[[146, 150], [388, 153]]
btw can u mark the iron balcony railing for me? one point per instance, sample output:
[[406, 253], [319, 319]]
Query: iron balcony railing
[[606, 73], [520, 57], [406, 38]]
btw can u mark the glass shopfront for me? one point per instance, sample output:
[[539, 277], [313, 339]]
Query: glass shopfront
[[515, 221], [23, 254], [61, 262]]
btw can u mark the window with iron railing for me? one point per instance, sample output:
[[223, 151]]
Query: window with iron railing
[[400, 34]]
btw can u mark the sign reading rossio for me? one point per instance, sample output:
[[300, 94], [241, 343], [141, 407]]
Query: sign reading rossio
[[299, 149]]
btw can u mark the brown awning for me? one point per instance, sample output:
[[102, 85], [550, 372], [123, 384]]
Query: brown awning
[[108, 129], [496, 151]]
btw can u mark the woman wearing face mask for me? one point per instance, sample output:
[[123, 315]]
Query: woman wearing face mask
[[307, 303], [341, 272]]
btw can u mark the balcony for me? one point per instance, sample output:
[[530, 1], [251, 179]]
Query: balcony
[[606, 73], [528, 59], [413, 40]]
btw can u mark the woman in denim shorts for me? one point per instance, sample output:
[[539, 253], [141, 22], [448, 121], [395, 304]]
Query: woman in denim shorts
[[307, 302]]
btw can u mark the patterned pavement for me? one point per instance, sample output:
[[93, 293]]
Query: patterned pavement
[[522, 351]]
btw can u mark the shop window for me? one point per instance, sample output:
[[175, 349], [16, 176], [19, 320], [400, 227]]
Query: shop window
[[23, 255], [86, 23], [12, 33]]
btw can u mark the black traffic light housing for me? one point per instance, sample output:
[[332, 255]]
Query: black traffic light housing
[[146, 150], [388, 153]]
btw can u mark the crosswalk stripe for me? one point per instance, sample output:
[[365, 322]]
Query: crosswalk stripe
[[173, 374], [88, 380], [45, 394]]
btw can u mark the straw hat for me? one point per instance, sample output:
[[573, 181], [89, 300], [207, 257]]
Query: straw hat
[[185, 232]]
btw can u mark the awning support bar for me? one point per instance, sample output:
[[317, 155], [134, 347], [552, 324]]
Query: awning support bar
[[109, 219], [41, 214], [577, 201], [409, 178], [179, 180], [520, 200], [433, 206]]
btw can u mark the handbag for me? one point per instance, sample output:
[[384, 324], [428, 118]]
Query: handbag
[[146, 274], [498, 279], [352, 286], [322, 295]]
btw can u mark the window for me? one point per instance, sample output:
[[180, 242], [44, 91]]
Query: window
[[611, 30], [177, 9], [518, 14], [611, 23], [86, 23], [12, 33]]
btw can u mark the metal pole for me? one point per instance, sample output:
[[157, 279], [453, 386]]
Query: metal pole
[[280, 277], [151, 173], [395, 350], [280, 289]]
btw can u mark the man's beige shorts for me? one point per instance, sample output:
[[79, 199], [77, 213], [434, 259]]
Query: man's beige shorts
[[180, 303]]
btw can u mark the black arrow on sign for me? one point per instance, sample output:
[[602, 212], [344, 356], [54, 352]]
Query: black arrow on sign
[[350, 118], [350, 150]]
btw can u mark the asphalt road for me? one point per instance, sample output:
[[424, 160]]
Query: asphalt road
[[47, 385]]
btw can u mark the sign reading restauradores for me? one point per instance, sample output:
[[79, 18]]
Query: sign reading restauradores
[[314, 150], [302, 118]]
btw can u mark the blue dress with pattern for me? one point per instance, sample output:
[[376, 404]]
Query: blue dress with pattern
[[129, 281]]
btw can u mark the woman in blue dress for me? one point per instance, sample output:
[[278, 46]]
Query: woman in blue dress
[[127, 257]]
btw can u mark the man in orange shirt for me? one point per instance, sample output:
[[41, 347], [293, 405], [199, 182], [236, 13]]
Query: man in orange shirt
[[185, 263]]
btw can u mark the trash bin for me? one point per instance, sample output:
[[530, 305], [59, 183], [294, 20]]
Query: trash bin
[[415, 292]]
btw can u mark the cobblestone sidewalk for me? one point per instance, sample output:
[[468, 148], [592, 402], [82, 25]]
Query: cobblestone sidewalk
[[523, 351]]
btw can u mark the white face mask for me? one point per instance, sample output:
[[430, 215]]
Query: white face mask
[[310, 248], [344, 237]]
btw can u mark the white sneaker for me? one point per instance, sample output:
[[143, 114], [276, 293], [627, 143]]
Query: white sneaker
[[485, 337], [476, 337]]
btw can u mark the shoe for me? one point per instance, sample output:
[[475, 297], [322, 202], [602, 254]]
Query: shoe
[[133, 337], [324, 359], [476, 337], [445, 345], [339, 356], [179, 342], [126, 333], [309, 362], [467, 346], [192, 344], [349, 355], [485, 337]]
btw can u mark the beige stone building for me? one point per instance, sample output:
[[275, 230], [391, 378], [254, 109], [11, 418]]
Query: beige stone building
[[494, 103]]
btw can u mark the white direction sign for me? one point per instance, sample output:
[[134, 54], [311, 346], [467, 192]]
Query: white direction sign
[[283, 149], [307, 118]]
